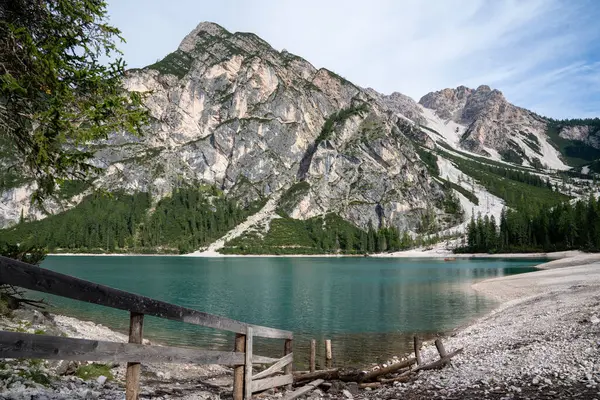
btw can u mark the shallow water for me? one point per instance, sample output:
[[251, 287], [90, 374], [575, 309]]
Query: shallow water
[[369, 307]]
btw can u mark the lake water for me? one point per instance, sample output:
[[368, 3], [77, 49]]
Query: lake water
[[369, 307]]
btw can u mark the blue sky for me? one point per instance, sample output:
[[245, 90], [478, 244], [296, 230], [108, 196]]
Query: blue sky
[[543, 54]]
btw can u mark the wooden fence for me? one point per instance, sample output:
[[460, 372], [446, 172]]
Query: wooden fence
[[24, 345]]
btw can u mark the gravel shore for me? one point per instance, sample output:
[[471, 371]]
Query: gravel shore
[[61, 380], [542, 342]]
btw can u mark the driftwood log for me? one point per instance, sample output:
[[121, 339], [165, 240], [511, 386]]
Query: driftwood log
[[407, 375], [352, 375], [372, 385], [403, 377], [374, 379], [417, 345], [330, 375], [327, 374], [369, 376], [303, 390], [400, 371], [439, 363]]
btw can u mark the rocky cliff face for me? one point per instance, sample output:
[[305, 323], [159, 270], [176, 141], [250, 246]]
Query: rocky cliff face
[[230, 110], [583, 133], [448, 103], [493, 125], [400, 104]]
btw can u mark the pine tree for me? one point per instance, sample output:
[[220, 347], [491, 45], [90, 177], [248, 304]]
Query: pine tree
[[55, 92], [371, 240]]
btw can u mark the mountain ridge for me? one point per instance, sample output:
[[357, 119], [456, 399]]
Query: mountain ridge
[[263, 126], [226, 106], [517, 134]]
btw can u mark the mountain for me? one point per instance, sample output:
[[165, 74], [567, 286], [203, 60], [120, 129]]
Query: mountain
[[255, 150], [491, 126], [232, 111], [487, 124], [262, 125]]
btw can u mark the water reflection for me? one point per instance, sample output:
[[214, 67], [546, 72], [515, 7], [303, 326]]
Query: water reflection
[[369, 307]]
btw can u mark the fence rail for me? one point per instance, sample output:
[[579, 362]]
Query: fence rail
[[27, 276], [23, 345]]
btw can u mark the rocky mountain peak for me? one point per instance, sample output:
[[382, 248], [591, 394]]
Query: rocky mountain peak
[[493, 125], [189, 42], [447, 103], [462, 105]]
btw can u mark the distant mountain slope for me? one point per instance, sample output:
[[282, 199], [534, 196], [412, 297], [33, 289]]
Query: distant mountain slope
[[490, 125], [577, 139]]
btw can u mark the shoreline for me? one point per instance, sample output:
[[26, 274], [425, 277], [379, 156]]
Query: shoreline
[[408, 254], [540, 341]]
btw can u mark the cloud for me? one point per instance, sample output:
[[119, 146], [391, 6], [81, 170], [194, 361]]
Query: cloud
[[543, 54]]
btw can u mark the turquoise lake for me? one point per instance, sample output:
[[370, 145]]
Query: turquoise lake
[[369, 307]]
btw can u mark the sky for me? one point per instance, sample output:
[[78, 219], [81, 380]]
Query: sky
[[543, 55]]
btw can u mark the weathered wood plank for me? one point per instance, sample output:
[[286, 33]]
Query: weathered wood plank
[[238, 371], [387, 370], [132, 375], [303, 390], [328, 353], [417, 344], [282, 362], [27, 345], [439, 363], [268, 383], [328, 374], [313, 355], [287, 349], [271, 333], [371, 385], [440, 348], [28, 276], [248, 366]]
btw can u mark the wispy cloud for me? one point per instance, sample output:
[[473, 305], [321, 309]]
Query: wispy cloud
[[543, 54]]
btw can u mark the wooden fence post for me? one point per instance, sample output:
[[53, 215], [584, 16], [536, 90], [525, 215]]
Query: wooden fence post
[[288, 369], [248, 366], [440, 348], [287, 349], [132, 376], [417, 345], [313, 355], [328, 353], [238, 370]]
